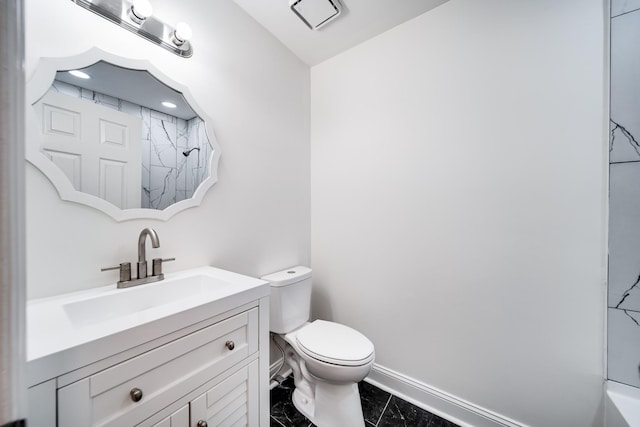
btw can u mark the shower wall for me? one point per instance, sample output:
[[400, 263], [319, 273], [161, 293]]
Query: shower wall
[[168, 176], [624, 195]]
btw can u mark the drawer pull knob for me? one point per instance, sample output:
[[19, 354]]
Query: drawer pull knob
[[230, 345], [136, 394], [201, 423]]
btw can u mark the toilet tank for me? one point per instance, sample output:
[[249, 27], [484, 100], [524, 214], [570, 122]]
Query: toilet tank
[[290, 300]]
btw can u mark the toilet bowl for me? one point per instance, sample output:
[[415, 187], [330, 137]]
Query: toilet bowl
[[328, 359]]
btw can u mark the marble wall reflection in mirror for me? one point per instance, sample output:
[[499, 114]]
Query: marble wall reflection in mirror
[[123, 138]]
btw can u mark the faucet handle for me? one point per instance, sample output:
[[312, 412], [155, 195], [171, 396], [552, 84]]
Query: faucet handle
[[157, 265], [125, 271]]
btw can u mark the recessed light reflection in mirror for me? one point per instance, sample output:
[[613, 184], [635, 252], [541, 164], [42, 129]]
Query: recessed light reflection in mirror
[[79, 74]]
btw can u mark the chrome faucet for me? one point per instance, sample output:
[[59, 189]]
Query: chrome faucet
[[156, 272], [142, 253]]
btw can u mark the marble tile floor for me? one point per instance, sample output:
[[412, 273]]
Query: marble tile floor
[[381, 409]]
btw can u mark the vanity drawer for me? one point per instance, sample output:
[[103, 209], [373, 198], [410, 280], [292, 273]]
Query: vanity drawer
[[162, 375]]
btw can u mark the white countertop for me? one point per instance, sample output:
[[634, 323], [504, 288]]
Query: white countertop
[[69, 331]]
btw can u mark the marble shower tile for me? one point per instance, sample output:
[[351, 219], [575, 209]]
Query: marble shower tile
[[193, 173], [624, 346], [181, 195], [130, 108], [163, 143], [182, 129], [146, 174], [402, 413], [623, 6], [100, 99], [146, 153], [625, 88], [162, 116], [86, 94], [181, 179], [162, 187], [623, 145], [206, 162], [198, 138], [624, 236], [146, 123]]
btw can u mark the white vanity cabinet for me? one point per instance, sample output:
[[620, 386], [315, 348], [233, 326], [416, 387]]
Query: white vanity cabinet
[[191, 370], [180, 418], [232, 402], [132, 391]]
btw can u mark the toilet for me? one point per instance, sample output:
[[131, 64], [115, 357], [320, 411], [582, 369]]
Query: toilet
[[327, 359]]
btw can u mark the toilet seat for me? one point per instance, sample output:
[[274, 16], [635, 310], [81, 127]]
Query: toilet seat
[[334, 343]]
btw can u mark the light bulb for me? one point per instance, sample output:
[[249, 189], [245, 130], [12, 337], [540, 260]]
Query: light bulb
[[169, 104], [140, 10], [182, 33]]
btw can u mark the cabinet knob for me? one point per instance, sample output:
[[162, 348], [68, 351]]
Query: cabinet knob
[[230, 345], [136, 394], [201, 423]]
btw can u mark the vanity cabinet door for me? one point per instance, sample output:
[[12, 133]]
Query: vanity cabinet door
[[180, 418], [232, 402]]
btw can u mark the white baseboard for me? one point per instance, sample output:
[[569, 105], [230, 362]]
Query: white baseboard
[[437, 402]]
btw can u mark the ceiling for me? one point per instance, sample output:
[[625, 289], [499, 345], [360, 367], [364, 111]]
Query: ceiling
[[360, 20]]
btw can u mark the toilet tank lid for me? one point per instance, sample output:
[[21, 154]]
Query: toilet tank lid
[[289, 276]]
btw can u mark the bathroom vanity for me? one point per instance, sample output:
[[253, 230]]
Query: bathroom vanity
[[191, 350]]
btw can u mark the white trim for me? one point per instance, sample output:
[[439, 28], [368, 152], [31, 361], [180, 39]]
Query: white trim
[[12, 223], [38, 86], [438, 402]]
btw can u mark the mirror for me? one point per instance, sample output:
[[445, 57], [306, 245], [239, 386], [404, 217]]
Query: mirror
[[118, 135]]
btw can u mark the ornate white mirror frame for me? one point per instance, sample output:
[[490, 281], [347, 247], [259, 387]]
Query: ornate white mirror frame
[[38, 86]]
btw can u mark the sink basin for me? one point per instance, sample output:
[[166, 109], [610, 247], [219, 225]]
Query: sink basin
[[68, 330], [145, 301]]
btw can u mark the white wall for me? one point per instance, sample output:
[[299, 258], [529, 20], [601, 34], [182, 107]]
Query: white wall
[[255, 220], [458, 183]]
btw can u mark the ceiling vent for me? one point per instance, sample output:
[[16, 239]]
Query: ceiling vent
[[316, 13]]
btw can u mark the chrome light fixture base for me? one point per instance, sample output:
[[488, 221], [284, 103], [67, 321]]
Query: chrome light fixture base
[[120, 12]]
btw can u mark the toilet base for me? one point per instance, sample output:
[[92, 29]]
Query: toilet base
[[303, 404], [333, 406]]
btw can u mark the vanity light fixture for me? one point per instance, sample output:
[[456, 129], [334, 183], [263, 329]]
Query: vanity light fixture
[[137, 17], [140, 10], [79, 74], [169, 104], [182, 34]]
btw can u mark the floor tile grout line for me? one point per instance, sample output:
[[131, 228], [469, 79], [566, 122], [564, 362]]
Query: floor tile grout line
[[276, 420], [384, 410]]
